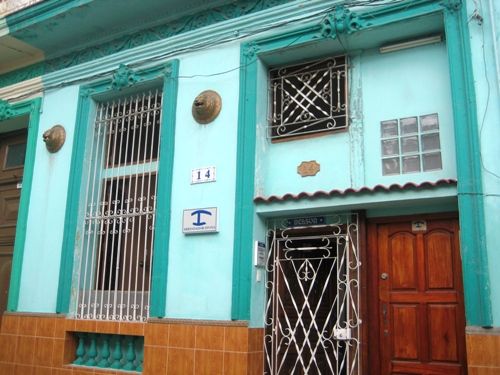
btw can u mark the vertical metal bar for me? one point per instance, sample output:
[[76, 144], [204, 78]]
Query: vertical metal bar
[[103, 204], [143, 199], [133, 177], [126, 203], [157, 118], [111, 181], [139, 199], [101, 124], [118, 203]]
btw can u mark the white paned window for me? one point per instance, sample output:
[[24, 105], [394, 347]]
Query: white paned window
[[410, 145], [114, 277], [308, 98]]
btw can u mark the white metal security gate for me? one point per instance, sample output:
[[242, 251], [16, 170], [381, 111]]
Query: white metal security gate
[[114, 255], [312, 314]]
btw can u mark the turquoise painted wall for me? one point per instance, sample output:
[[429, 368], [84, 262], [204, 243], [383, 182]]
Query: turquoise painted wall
[[200, 266], [484, 37], [407, 83], [40, 272]]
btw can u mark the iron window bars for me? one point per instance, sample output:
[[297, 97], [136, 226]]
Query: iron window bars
[[308, 98], [115, 255]]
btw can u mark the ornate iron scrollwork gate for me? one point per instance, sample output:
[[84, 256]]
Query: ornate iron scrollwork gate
[[312, 314]]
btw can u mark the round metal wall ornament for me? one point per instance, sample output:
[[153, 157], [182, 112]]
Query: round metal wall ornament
[[54, 138], [206, 107]]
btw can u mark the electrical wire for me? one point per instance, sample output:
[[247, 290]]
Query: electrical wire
[[236, 35]]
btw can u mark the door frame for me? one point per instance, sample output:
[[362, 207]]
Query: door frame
[[371, 272], [30, 108]]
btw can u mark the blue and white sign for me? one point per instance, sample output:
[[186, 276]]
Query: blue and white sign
[[201, 175], [200, 220]]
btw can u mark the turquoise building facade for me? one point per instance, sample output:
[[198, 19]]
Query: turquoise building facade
[[414, 164]]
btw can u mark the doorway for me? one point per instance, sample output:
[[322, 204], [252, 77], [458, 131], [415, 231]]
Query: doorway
[[416, 292], [12, 155], [313, 292]]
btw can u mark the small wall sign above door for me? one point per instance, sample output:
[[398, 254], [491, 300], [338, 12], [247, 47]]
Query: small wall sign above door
[[202, 175], [200, 220], [419, 226], [305, 221]]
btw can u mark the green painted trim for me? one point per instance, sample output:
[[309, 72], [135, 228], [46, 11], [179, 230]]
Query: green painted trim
[[164, 194], [244, 213], [342, 21], [123, 79], [72, 202], [470, 193], [172, 28], [31, 108]]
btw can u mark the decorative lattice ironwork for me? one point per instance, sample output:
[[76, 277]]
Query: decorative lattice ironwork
[[312, 323], [308, 98], [114, 257]]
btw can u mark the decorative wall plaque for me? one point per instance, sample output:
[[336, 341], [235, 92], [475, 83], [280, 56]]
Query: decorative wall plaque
[[54, 138], [206, 107], [308, 168]]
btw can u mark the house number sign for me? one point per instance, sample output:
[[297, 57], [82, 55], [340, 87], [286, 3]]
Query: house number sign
[[202, 175]]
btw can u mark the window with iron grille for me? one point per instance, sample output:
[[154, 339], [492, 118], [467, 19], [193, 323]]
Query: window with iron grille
[[119, 204], [308, 98]]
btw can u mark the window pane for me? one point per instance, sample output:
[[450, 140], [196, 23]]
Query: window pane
[[15, 155], [432, 162], [389, 128], [430, 142], [408, 125], [390, 166], [390, 147], [411, 164], [429, 123], [409, 144]]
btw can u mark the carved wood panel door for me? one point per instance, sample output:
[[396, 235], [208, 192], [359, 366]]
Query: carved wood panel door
[[420, 298], [12, 153]]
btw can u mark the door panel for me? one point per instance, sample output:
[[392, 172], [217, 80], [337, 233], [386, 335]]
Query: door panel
[[12, 149], [420, 298]]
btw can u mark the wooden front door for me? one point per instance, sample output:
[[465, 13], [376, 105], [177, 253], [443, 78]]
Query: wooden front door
[[12, 152], [418, 291]]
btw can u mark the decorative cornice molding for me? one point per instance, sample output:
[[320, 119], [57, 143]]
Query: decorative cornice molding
[[176, 27], [340, 21], [123, 77], [6, 110]]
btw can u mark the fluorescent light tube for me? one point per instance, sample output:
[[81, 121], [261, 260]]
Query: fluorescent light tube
[[411, 44]]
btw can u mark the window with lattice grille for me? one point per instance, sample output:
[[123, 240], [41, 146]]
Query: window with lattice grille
[[119, 204], [309, 98]]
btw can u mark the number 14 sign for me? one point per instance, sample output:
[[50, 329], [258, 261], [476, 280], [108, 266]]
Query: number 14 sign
[[202, 175]]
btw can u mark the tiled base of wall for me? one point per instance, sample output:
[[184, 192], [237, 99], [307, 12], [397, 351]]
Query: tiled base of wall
[[42, 345], [483, 351]]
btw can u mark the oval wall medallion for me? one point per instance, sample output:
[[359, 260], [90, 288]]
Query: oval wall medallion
[[54, 138], [206, 107]]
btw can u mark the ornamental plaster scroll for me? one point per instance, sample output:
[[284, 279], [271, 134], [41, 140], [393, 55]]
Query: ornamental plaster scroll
[[6, 110], [341, 21], [123, 77]]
